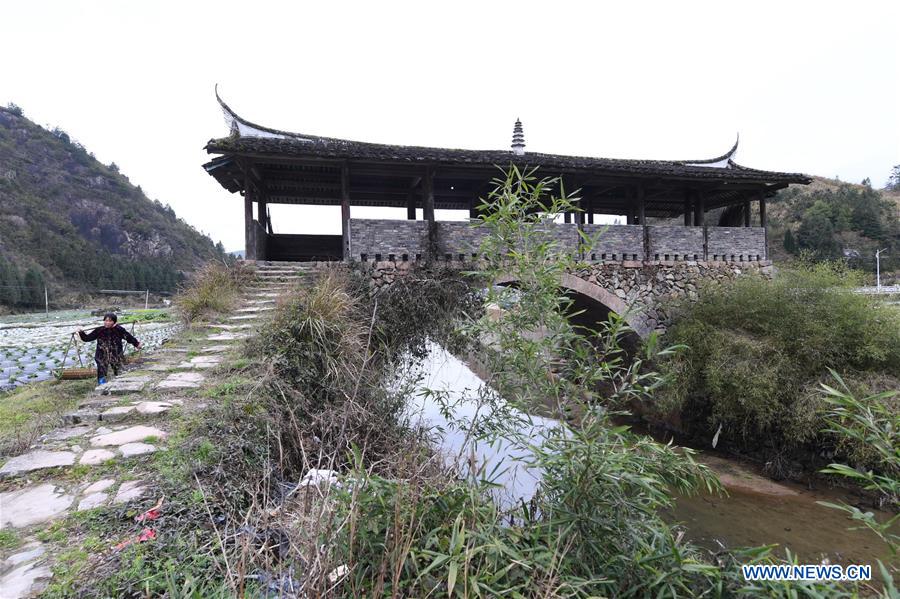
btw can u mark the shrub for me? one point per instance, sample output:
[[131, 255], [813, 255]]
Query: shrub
[[757, 350]]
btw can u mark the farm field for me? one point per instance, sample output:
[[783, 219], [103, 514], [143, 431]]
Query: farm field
[[33, 346]]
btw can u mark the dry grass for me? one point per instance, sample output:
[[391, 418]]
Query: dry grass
[[212, 290]]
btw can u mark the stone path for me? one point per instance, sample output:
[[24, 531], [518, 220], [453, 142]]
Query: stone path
[[124, 419]]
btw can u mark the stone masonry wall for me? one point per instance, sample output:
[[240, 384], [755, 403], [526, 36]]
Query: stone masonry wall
[[676, 243], [407, 240], [615, 243], [649, 290], [379, 239], [741, 244]]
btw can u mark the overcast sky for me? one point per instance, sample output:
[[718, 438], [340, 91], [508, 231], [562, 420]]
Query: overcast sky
[[811, 86]]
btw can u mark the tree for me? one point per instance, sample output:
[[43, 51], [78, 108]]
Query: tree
[[816, 233], [9, 283], [789, 244], [15, 109], [894, 179], [33, 293]]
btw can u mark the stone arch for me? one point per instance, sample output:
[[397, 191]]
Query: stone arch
[[597, 294]]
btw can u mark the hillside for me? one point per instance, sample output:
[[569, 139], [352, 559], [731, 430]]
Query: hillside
[[832, 219], [76, 224]]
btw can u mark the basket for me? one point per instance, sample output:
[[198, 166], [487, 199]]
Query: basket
[[68, 374]]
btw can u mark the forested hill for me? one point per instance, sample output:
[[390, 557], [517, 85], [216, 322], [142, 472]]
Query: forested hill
[[76, 224], [831, 219]]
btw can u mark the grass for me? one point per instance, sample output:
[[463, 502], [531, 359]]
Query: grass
[[31, 410]]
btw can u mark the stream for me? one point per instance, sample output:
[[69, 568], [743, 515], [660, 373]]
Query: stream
[[756, 511]]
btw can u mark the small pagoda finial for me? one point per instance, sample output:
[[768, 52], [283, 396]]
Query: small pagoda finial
[[518, 139]]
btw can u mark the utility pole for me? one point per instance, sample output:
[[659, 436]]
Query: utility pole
[[878, 269]]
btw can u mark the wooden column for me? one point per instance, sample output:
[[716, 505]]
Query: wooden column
[[249, 233], [699, 210], [687, 207], [762, 223], [747, 213], [428, 195], [567, 217], [411, 205], [639, 198], [428, 213], [345, 209], [262, 209], [590, 213]]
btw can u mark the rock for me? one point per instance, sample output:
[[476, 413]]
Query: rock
[[33, 505], [129, 491], [620, 293], [93, 457], [37, 460], [132, 449], [129, 435]]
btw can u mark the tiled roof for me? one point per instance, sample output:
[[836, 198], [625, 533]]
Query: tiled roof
[[249, 138]]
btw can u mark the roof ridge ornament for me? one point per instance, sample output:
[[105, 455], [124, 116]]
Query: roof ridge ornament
[[518, 139], [726, 160]]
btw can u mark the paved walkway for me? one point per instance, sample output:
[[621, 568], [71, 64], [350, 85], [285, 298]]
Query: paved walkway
[[125, 419]]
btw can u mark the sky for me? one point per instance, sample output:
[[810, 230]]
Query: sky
[[811, 87]]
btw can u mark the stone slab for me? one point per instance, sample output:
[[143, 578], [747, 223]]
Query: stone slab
[[37, 460], [227, 337], [116, 414], [231, 327], [33, 505], [132, 449], [124, 385], [244, 317], [68, 433], [100, 485], [130, 491], [92, 457], [89, 502], [181, 380], [23, 573], [214, 349], [131, 434], [153, 407], [255, 309]]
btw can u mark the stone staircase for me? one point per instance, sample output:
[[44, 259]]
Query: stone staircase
[[120, 422]]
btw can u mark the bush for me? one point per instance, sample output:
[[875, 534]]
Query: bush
[[758, 349]]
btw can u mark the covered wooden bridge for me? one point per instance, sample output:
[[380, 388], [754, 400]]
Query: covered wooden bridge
[[664, 203]]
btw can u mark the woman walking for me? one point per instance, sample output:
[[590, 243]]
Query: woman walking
[[109, 351]]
